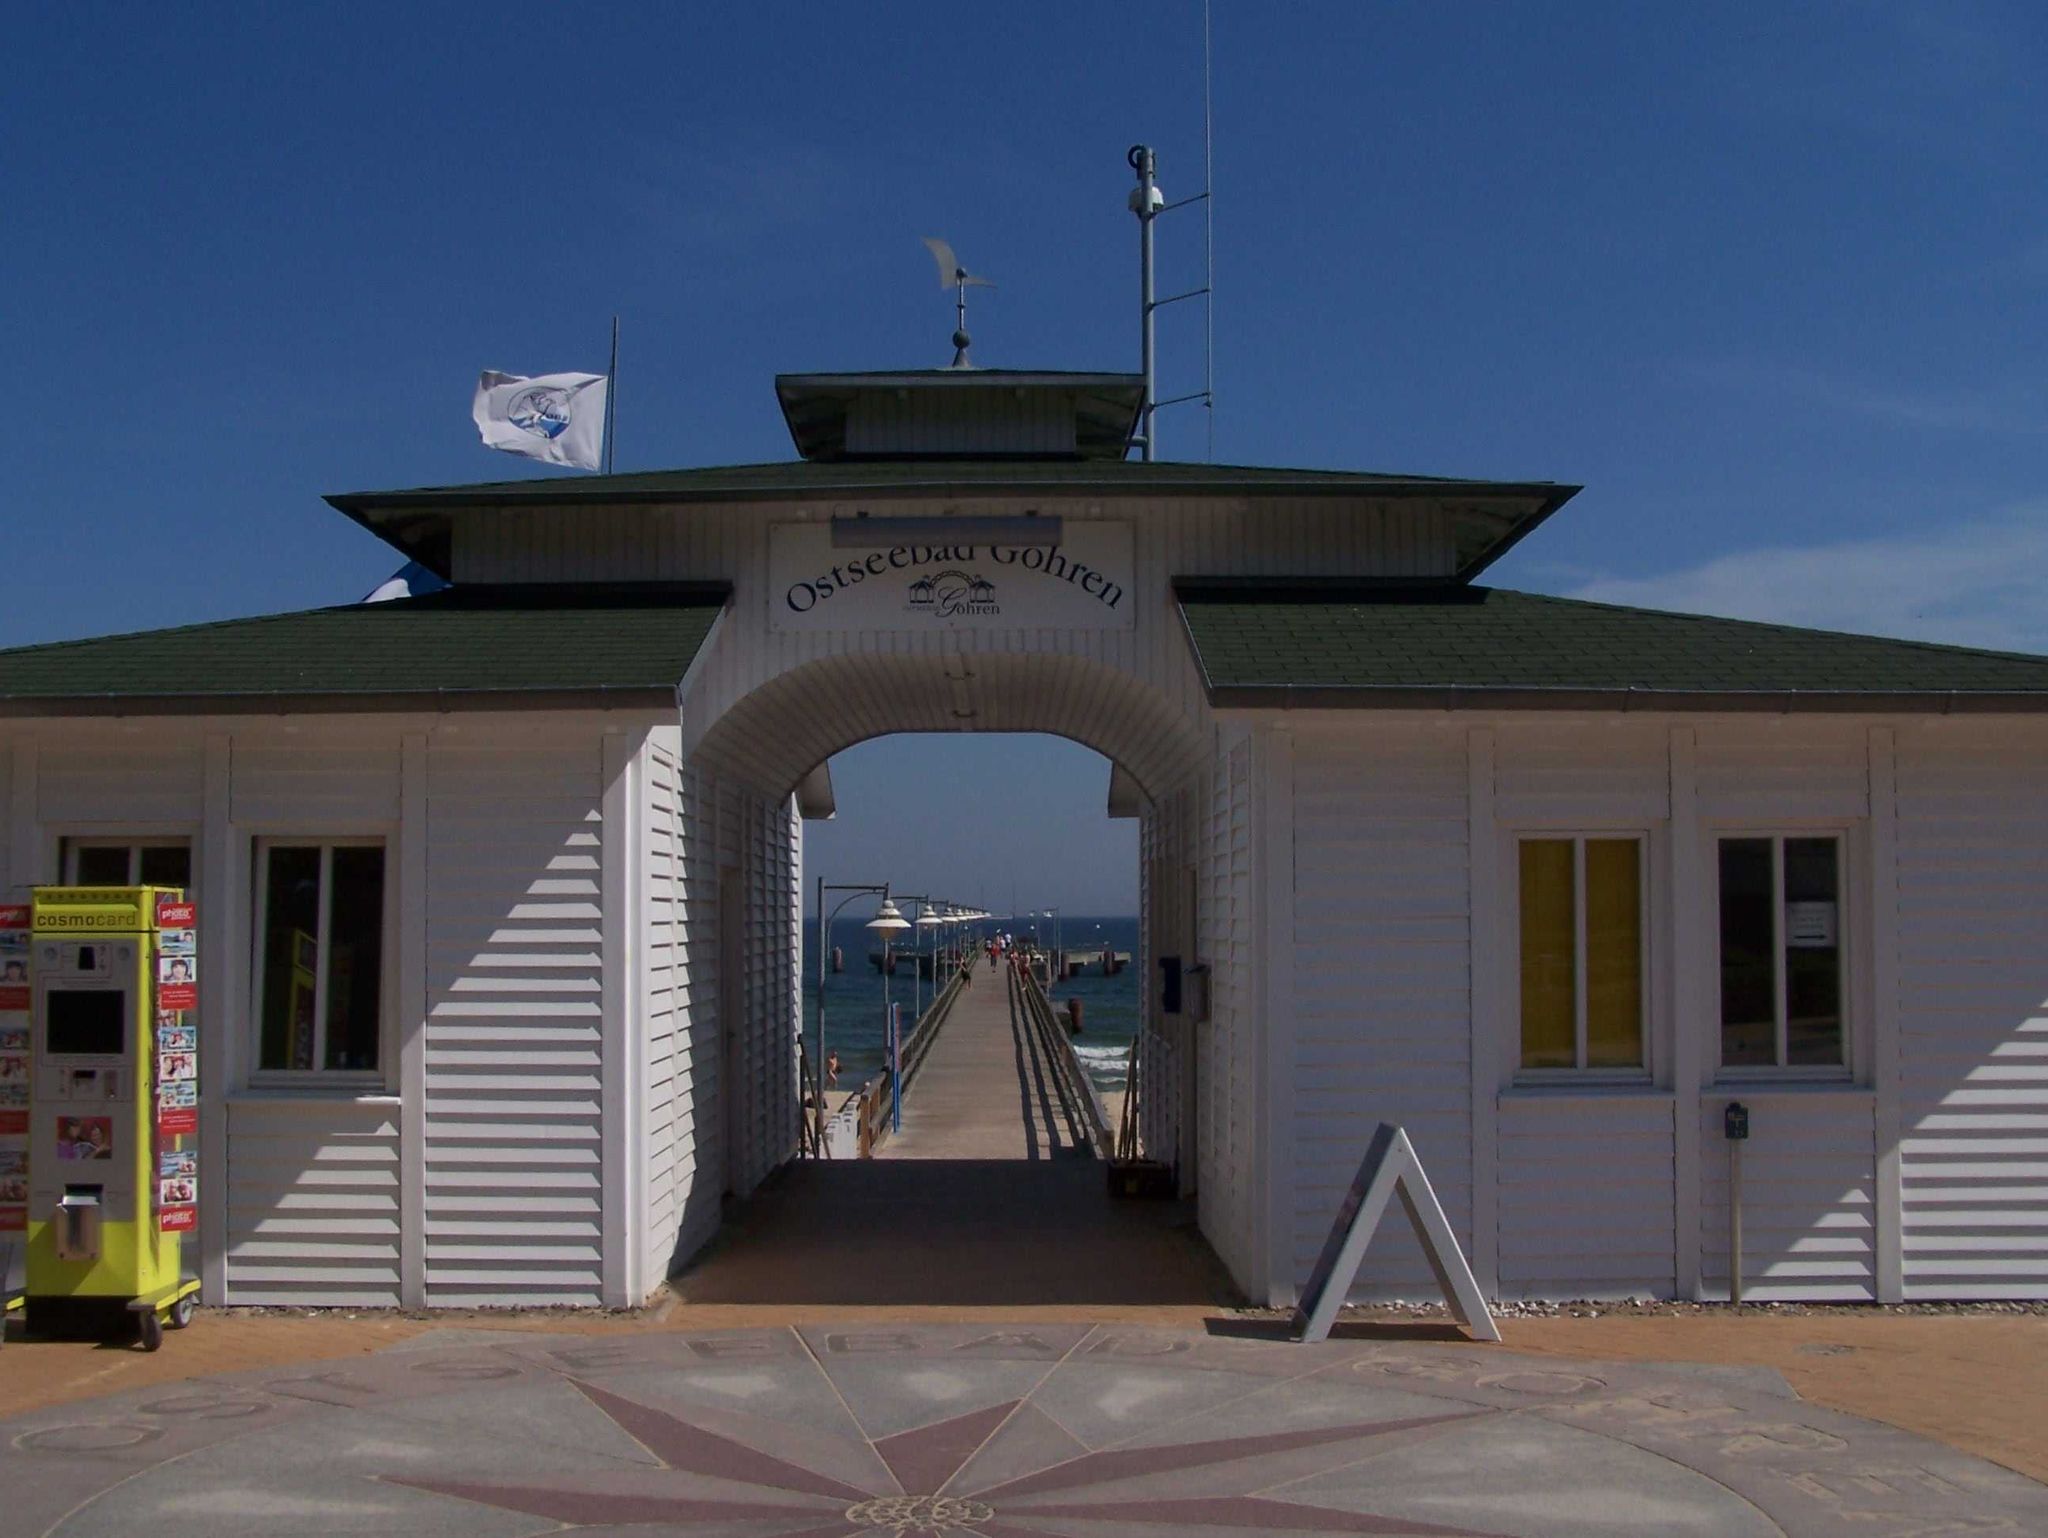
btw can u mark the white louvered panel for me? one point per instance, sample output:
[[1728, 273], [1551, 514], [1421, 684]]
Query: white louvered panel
[[664, 1019], [1809, 1214], [312, 1203], [1973, 1010], [317, 785], [514, 1010], [1167, 837], [763, 912], [699, 1106], [1585, 1196], [774, 962], [1381, 978], [756, 835], [1228, 1044], [1609, 772], [1779, 770], [142, 783]]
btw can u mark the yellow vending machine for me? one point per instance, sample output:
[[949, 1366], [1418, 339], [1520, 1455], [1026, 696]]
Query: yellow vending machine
[[114, 1116]]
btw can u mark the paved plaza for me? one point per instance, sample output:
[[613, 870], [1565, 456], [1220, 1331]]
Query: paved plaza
[[1003, 1431]]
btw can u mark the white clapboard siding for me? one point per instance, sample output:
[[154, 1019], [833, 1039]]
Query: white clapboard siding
[[664, 1015], [1381, 979], [316, 785], [515, 998], [1228, 1044], [1777, 772], [1603, 774], [1809, 1179], [1973, 1011], [144, 782], [1585, 1205], [313, 1203]]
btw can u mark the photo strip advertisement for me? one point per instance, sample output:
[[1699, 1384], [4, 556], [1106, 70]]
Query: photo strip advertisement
[[177, 1064], [16, 1070]]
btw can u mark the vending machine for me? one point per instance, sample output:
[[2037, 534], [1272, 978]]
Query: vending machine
[[114, 1114]]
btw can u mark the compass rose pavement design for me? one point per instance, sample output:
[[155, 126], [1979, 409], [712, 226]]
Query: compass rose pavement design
[[1025, 1431]]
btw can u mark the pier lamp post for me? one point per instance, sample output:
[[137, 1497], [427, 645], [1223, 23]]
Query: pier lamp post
[[888, 922], [930, 920], [852, 890], [927, 918]]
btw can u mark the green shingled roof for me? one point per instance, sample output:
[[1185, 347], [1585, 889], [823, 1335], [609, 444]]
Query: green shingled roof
[[1311, 644], [483, 644]]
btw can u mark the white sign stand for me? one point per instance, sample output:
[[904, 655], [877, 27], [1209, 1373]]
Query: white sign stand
[[1390, 1166]]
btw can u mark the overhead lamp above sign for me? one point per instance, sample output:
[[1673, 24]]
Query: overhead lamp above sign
[[860, 532]]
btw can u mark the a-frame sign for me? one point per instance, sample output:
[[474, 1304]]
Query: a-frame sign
[[1390, 1167]]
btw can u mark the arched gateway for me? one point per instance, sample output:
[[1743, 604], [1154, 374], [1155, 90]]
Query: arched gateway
[[501, 897]]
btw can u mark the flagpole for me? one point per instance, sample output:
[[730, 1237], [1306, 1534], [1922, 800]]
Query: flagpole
[[611, 401]]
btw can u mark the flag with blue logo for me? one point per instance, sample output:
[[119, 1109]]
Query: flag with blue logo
[[557, 418]]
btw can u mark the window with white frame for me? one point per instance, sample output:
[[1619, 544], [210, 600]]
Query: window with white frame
[[319, 955], [1582, 953], [128, 862], [1781, 951]]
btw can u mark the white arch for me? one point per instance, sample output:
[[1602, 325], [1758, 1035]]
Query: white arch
[[773, 736]]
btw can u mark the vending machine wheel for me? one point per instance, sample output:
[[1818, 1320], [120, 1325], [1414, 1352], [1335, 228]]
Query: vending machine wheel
[[168, 1308]]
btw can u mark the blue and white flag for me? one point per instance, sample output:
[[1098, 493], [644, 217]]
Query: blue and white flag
[[558, 418]]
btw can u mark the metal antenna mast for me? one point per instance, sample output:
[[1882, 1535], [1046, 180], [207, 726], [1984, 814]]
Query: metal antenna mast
[[1148, 203]]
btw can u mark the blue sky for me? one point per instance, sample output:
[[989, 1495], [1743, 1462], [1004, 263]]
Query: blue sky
[[1769, 280]]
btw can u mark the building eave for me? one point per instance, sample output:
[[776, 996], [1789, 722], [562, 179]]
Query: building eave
[[1326, 697]]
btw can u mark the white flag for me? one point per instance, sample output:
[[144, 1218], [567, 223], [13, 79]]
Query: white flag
[[558, 418]]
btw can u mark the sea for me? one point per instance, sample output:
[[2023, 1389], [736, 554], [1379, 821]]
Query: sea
[[854, 999]]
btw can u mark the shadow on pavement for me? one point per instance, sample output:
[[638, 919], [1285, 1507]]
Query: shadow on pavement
[[955, 1232], [1363, 1329]]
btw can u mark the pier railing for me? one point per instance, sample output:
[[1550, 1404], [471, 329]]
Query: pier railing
[[1076, 1089], [862, 1122]]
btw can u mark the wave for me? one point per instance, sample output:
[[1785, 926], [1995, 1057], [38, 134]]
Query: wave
[[1112, 1054]]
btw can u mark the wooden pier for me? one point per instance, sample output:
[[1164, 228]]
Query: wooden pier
[[991, 1087]]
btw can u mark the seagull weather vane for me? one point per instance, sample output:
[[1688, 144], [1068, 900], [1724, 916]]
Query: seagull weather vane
[[956, 277]]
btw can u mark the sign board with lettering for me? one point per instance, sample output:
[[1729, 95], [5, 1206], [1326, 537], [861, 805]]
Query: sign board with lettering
[[1085, 582], [1810, 925]]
